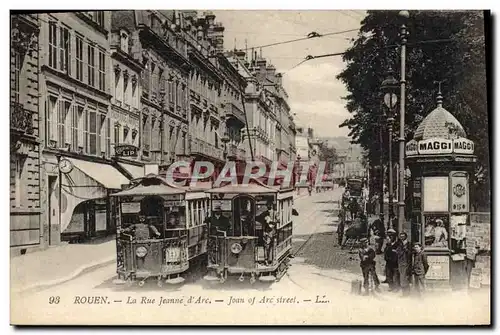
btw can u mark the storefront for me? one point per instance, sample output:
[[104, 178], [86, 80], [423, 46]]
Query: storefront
[[79, 207]]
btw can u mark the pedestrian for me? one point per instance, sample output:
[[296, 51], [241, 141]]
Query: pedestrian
[[367, 264], [419, 267], [340, 227], [378, 229], [404, 253], [391, 261]]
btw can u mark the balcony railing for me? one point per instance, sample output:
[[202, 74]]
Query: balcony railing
[[231, 109], [204, 148], [21, 119]]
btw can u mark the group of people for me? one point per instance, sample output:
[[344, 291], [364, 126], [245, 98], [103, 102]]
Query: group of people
[[265, 222], [403, 264]]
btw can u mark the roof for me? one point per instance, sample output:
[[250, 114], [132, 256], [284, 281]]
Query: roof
[[150, 185], [255, 187], [439, 124], [149, 190]]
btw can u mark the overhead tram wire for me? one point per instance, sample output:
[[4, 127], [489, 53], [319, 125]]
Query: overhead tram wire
[[309, 36], [310, 57]]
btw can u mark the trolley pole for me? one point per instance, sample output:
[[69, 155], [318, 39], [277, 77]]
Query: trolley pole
[[401, 200]]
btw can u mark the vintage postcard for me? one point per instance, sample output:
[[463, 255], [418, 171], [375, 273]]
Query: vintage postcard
[[239, 167]]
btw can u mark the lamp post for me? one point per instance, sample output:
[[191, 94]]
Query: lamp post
[[389, 88], [401, 203]]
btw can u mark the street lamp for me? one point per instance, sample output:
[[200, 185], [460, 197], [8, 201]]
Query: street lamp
[[389, 88], [401, 203]]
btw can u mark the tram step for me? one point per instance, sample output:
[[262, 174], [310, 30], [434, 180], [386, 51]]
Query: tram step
[[267, 279], [173, 281], [211, 278]]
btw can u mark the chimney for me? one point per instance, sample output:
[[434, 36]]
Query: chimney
[[279, 79], [271, 72], [216, 34], [210, 17], [240, 55]]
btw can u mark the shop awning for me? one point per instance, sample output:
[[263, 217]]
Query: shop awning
[[134, 170], [105, 174]]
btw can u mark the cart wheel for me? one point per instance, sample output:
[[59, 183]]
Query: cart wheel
[[141, 283]]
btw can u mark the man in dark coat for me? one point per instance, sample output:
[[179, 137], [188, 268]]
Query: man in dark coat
[[404, 252], [367, 264], [218, 222], [378, 229], [391, 261], [419, 267]]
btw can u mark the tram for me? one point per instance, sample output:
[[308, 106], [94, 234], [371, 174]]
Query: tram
[[161, 230], [250, 232]]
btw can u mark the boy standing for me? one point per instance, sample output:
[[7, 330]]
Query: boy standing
[[367, 263], [420, 267]]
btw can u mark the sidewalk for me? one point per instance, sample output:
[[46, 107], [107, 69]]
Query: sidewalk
[[58, 264]]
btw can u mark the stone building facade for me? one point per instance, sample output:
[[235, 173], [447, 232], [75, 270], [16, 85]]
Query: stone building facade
[[26, 227], [75, 88]]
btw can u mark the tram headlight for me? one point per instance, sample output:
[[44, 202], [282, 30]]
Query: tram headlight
[[236, 248], [141, 252]]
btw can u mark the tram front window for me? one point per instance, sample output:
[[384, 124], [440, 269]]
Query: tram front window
[[244, 216]]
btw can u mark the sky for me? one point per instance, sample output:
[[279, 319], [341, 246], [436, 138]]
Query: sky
[[315, 95]]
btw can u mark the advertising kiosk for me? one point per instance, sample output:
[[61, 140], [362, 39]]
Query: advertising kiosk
[[441, 160]]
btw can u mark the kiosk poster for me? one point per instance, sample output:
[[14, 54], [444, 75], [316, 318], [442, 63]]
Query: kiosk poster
[[436, 194], [417, 194], [439, 267], [436, 231], [459, 192]]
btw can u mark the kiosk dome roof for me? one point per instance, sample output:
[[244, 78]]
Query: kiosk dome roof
[[439, 124]]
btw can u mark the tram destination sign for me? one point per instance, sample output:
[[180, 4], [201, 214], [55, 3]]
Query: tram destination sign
[[126, 150]]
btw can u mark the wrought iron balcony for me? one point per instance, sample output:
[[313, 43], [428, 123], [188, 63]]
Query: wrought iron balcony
[[201, 147], [21, 119]]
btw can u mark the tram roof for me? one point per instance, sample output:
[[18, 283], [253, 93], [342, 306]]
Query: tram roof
[[254, 187], [150, 185]]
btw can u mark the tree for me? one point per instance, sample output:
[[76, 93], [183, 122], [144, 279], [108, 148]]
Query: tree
[[442, 45]]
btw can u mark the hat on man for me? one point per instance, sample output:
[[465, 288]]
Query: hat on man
[[391, 231], [417, 243], [439, 221]]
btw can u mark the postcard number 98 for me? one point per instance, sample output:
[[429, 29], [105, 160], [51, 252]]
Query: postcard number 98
[[54, 300]]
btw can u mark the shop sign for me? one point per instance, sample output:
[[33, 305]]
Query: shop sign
[[435, 147], [463, 146], [126, 150], [439, 268], [412, 148], [459, 192]]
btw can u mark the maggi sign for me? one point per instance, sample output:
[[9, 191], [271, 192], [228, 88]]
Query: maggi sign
[[439, 146]]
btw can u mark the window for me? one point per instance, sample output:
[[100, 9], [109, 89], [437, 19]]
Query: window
[[119, 87], [102, 71], [146, 133], [52, 45], [124, 41], [117, 134], [183, 144], [170, 91], [63, 110], [108, 137], [64, 50], [75, 127], [125, 91], [91, 65], [17, 76], [97, 17], [134, 96], [79, 58], [92, 132]]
